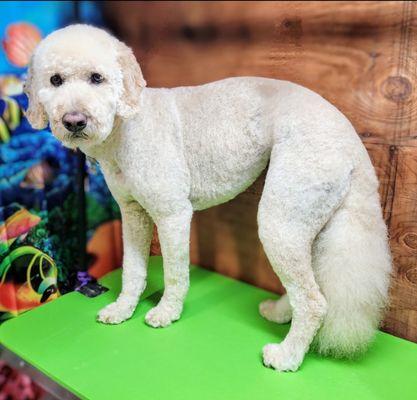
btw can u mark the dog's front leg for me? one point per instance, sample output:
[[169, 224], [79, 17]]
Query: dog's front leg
[[174, 236], [137, 234]]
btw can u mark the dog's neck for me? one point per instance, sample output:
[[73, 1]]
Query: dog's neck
[[105, 150]]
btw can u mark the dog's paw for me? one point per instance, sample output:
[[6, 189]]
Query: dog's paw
[[115, 313], [276, 311], [282, 357], [162, 315]]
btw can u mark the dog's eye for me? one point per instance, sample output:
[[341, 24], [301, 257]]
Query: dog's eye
[[96, 78], [56, 80]]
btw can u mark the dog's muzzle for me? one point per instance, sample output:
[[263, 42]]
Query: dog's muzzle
[[74, 121]]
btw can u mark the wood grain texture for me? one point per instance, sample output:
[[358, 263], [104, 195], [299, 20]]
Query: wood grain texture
[[361, 56], [402, 317]]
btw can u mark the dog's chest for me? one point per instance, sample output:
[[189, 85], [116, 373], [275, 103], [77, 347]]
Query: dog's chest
[[117, 181]]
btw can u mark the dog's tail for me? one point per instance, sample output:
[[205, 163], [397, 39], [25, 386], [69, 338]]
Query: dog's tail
[[352, 264]]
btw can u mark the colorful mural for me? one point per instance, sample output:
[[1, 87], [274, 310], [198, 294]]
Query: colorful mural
[[40, 188], [39, 192]]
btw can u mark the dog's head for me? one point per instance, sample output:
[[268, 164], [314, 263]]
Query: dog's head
[[80, 79]]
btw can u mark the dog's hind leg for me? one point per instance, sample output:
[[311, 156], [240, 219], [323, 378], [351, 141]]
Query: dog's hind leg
[[301, 194], [278, 311]]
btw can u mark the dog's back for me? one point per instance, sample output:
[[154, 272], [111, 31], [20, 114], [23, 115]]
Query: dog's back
[[229, 127]]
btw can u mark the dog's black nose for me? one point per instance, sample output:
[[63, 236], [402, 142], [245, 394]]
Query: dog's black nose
[[74, 121]]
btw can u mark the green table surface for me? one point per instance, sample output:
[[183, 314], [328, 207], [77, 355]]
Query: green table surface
[[212, 352]]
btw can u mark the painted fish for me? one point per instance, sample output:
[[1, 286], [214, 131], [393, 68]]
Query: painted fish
[[10, 85], [18, 224], [21, 39], [37, 176], [11, 113], [28, 278], [4, 131], [10, 117]]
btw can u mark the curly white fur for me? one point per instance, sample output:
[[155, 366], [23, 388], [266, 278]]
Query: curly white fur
[[167, 152]]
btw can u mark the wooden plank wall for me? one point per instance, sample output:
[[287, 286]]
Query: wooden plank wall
[[361, 56]]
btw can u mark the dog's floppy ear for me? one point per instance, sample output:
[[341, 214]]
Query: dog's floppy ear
[[133, 82], [35, 112]]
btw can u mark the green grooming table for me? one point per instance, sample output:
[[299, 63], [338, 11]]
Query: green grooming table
[[213, 352]]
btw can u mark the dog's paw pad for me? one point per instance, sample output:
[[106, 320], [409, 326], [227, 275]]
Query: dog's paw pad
[[161, 316], [281, 357], [273, 311], [114, 313]]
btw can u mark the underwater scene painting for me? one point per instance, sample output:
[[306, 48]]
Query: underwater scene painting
[[40, 209]]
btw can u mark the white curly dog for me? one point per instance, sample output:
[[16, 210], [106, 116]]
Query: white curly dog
[[168, 152]]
